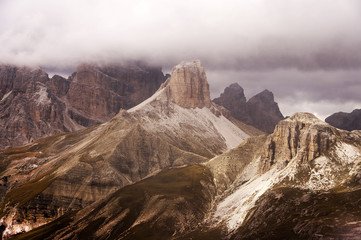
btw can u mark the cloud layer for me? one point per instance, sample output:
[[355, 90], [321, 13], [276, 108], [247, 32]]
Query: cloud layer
[[320, 92], [292, 47], [256, 34]]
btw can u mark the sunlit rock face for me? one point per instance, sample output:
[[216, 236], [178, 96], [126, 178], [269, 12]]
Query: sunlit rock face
[[301, 136], [188, 86]]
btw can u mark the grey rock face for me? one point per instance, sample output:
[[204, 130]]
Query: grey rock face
[[264, 111], [28, 108], [346, 121], [98, 92], [234, 100], [261, 111]]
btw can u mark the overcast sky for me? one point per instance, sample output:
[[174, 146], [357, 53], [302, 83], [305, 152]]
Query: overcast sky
[[307, 52]]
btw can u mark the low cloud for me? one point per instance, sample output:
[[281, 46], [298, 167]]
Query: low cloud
[[305, 50], [229, 34], [320, 92]]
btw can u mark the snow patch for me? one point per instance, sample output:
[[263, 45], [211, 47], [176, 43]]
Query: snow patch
[[347, 153], [147, 101], [41, 96], [322, 176], [235, 207], [231, 133], [305, 117], [6, 95], [203, 123]]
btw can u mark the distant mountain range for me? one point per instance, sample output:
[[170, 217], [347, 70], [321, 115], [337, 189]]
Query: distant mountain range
[[180, 166]]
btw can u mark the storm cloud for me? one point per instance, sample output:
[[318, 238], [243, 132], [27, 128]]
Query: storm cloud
[[307, 52]]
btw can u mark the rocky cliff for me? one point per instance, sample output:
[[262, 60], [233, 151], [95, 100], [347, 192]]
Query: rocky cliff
[[188, 85], [98, 92], [260, 111], [28, 108], [346, 121], [302, 165], [235, 101], [302, 137], [33, 105]]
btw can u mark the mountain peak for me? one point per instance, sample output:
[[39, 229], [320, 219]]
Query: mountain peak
[[305, 117], [346, 121], [235, 89], [265, 96], [188, 86], [235, 86], [302, 136], [232, 95]]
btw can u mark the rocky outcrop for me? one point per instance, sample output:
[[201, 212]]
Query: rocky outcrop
[[98, 92], [261, 111], [188, 86], [28, 108], [264, 111], [346, 121], [33, 105], [302, 136], [234, 100]]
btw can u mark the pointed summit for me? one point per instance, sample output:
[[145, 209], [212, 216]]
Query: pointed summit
[[188, 86], [261, 111], [264, 111], [346, 121], [234, 100]]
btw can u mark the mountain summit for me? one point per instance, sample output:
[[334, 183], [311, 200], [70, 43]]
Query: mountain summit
[[188, 86], [346, 121], [260, 111]]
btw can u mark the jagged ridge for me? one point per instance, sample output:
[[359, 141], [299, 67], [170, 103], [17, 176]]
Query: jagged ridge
[[260, 111]]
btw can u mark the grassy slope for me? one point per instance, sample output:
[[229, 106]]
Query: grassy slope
[[42, 148], [185, 187]]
